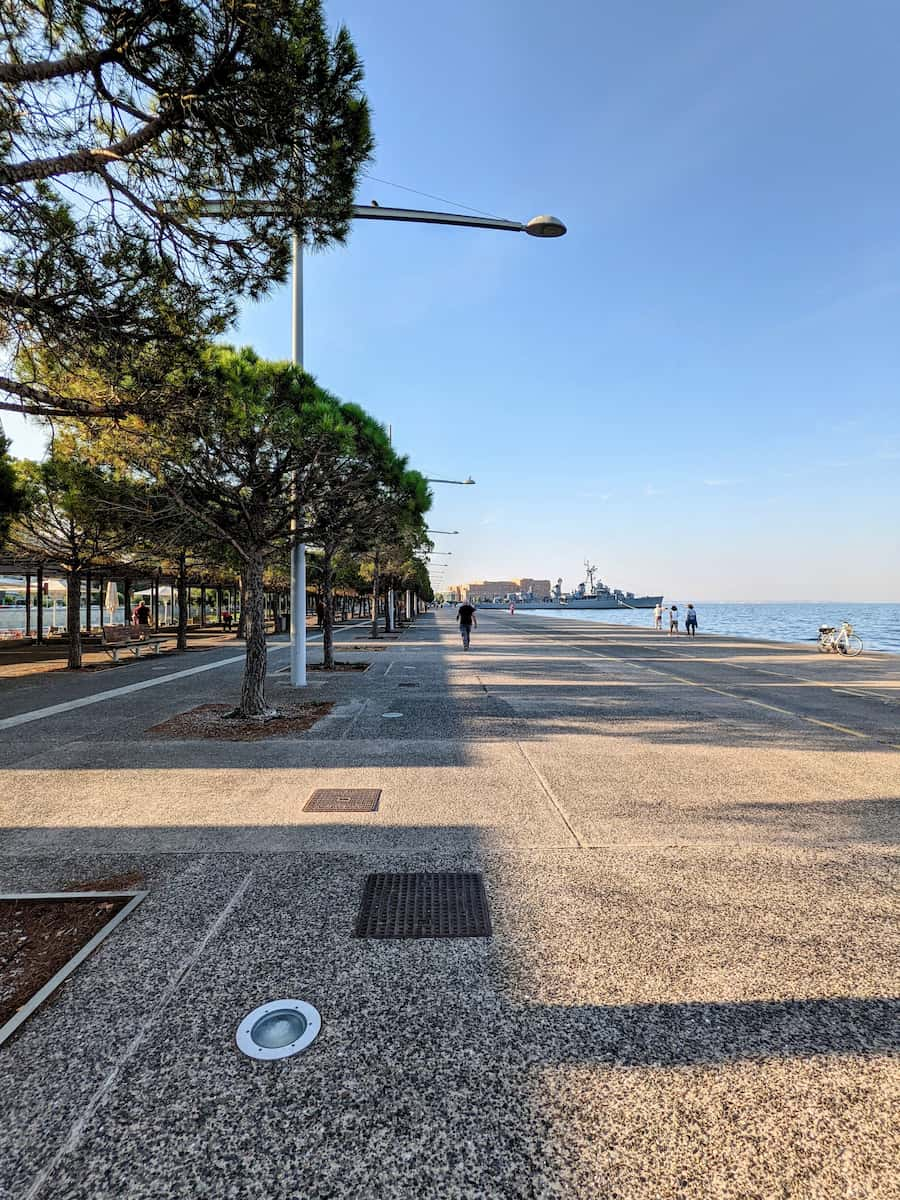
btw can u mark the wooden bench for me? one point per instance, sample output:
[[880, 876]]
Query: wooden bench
[[130, 638]]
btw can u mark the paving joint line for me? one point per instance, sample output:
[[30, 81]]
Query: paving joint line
[[79, 1126], [353, 849], [551, 797], [351, 724]]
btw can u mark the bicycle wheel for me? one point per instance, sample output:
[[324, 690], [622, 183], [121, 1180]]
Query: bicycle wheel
[[853, 645]]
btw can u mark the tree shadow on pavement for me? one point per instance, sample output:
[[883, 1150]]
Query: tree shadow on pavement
[[608, 1004]]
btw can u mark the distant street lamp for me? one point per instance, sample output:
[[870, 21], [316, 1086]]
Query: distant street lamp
[[543, 226], [447, 531], [462, 482]]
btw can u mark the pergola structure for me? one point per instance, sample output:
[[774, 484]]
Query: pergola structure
[[136, 578]]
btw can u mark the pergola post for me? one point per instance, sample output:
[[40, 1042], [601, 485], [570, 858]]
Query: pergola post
[[40, 605], [156, 604], [28, 604], [87, 600]]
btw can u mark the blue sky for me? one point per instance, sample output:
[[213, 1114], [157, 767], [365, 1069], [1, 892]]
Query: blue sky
[[697, 386]]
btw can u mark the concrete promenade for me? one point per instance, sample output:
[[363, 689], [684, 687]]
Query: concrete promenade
[[689, 850]]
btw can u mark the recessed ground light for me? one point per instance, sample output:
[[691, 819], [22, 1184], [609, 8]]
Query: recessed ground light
[[392, 714], [278, 1029]]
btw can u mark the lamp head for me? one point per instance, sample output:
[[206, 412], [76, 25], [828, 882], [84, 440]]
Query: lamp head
[[545, 227]]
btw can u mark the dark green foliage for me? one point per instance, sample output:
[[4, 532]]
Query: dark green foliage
[[12, 494], [117, 109]]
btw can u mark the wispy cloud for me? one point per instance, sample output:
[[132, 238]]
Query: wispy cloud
[[650, 490], [593, 494], [721, 482]]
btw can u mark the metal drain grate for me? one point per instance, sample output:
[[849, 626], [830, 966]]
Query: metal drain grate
[[422, 904], [343, 800]]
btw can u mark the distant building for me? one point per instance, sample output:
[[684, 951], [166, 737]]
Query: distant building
[[486, 590]]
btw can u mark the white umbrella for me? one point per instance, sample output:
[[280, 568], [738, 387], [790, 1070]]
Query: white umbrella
[[111, 603]]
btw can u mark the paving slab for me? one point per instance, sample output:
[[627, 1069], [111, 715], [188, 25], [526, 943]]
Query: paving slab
[[185, 796], [702, 1046], [690, 990]]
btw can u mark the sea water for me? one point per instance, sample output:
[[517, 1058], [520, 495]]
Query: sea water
[[877, 624]]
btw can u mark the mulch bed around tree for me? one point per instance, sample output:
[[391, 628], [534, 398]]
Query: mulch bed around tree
[[38, 937], [209, 721], [340, 666]]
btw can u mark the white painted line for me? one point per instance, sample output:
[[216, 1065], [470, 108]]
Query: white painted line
[[392, 714], [53, 710]]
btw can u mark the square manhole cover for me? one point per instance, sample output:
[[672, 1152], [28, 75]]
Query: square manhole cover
[[343, 800], [420, 904]]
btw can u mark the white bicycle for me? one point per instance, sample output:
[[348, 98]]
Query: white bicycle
[[839, 641]]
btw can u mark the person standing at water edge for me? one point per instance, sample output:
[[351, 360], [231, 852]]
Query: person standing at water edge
[[690, 621], [657, 616], [673, 621], [465, 614]]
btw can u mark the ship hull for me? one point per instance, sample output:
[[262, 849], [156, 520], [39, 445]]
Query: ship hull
[[593, 603], [611, 602]]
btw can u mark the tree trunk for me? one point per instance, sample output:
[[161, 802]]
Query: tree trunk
[[73, 619], [388, 611], [375, 582], [181, 586], [253, 685], [328, 614]]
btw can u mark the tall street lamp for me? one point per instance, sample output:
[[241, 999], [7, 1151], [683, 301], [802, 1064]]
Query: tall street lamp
[[447, 531], [469, 482], [543, 226]]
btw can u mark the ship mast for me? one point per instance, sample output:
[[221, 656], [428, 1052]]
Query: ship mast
[[590, 572]]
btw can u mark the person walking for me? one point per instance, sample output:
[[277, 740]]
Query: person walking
[[673, 621], [512, 609], [657, 616], [690, 621], [141, 615], [465, 614], [227, 619]]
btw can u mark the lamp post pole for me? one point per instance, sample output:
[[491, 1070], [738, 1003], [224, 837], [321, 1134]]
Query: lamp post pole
[[541, 227], [298, 547]]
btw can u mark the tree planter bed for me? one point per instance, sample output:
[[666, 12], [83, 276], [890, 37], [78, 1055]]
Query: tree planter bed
[[340, 666], [44, 937], [211, 721]]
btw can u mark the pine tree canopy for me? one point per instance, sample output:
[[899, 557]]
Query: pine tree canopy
[[115, 120]]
